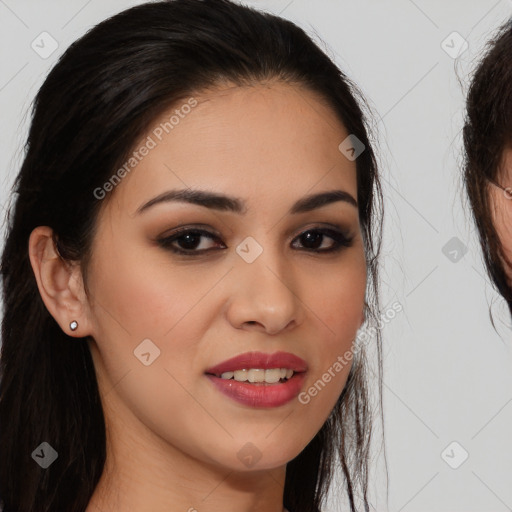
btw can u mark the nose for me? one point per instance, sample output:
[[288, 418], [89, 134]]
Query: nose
[[265, 295]]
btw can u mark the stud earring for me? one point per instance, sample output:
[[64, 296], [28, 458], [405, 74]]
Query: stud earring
[[73, 325]]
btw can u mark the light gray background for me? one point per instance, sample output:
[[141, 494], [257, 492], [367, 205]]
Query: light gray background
[[448, 373]]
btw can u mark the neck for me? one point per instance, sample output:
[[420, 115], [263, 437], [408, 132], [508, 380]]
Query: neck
[[143, 472]]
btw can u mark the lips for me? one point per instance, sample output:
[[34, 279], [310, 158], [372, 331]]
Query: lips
[[259, 360], [261, 395]]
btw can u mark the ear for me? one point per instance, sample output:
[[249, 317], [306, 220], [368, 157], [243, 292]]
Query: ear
[[60, 283]]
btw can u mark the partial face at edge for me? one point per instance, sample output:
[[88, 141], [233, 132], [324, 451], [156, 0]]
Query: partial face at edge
[[501, 206], [270, 146]]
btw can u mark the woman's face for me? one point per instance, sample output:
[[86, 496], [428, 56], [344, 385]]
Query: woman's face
[[240, 277]]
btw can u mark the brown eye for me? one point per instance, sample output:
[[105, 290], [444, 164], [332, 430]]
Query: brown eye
[[314, 240], [190, 241]]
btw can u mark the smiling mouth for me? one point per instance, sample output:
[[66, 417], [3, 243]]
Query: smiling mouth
[[258, 375], [259, 379]]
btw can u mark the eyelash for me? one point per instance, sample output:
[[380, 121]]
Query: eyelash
[[341, 240]]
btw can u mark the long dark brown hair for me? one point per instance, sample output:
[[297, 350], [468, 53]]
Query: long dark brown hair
[[487, 132], [95, 104]]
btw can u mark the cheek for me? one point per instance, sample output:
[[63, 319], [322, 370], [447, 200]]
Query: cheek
[[343, 308], [145, 296], [339, 302], [340, 299], [136, 300]]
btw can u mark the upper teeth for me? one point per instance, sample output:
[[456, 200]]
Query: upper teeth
[[259, 375]]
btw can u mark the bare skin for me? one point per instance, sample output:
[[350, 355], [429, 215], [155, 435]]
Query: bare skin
[[173, 440], [501, 201]]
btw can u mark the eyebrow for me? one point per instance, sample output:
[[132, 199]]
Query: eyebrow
[[222, 202]]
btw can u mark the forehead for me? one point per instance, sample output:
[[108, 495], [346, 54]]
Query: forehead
[[253, 140]]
